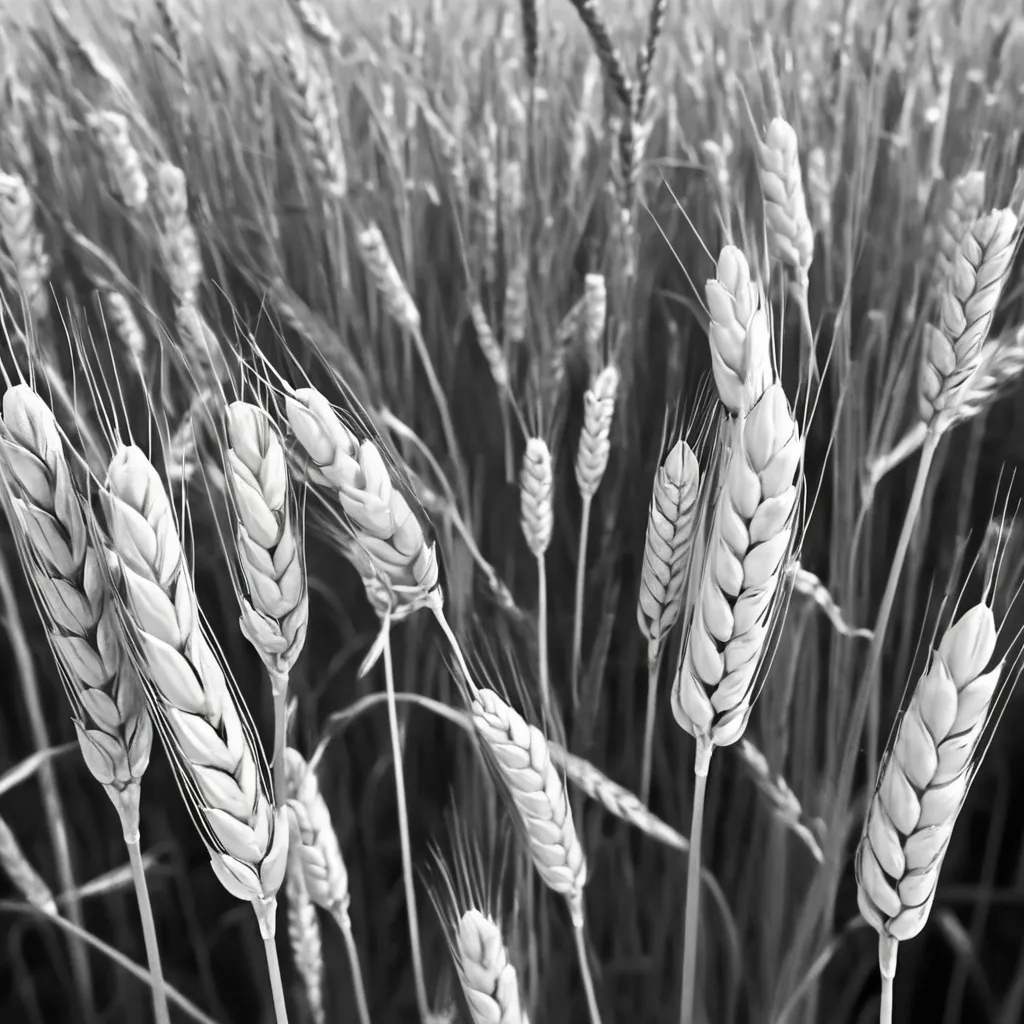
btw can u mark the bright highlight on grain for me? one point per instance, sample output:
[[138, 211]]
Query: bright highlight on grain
[[489, 980]]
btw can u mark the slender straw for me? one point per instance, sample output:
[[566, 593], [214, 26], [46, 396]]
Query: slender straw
[[542, 631], [646, 764], [279, 688], [577, 620], [885, 1009], [700, 769], [588, 981], [266, 915], [344, 922], [160, 1011]]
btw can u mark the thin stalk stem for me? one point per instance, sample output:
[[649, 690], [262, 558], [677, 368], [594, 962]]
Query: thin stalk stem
[[403, 832], [266, 915], [701, 763], [870, 689], [885, 1008], [279, 686], [588, 981], [900, 452], [577, 620], [53, 806], [456, 648], [344, 923], [542, 632], [647, 760], [807, 331], [160, 1012], [888, 948]]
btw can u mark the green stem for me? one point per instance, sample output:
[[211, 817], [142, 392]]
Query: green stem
[[647, 762], [542, 632], [160, 1012], [577, 621], [344, 923], [403, 833], [700, 768], [588, 981]]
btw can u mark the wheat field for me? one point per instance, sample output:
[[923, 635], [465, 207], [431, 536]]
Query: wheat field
[[520, 499]]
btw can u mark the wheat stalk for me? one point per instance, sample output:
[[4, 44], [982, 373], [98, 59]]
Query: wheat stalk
[[304, 938], [537, 518], [23, 876], [488, 978], [922, 785], [124, 165], [25, 243], [952, 351]]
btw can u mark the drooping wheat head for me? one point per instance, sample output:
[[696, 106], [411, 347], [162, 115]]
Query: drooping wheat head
[[25, 243], [393, 292], [63, 565], [304, 936], [17, 867], [489, 346], [536, 486], [594, 445], [122, 159], [670, 532]]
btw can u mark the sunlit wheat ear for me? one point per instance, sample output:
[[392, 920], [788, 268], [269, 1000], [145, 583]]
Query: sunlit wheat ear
[[382, 522], [594, 315], [304, 937], [595, 446], [489, 980], [23, 876], [64, 568], [741, 357], [536, 486], [790, 236], [489, 346], [952, 352], [124, 165], [740, 589], [211, 743], [607, 51], [966, 199], [275, 609], [670, 531], [311, 99], [126, 327], [179, 246], [923, 782], [819, 189], [517, 302], [524, 763], [24, 242], [316, 23], [377, 260]]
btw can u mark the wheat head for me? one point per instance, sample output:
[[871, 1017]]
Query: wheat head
[[24, 242], [655, 25], [275, 610], [952, 352], [594, 445], [64, 567], [489, 980], [489, 346], [607, 51], [924, 778], [594, 316], [738, 597], [536, 487], [24, 877], [121, 317], [304, 936], [670, 530], [397, 300], [517, 302], [179, 245], [819, 189], [316, 23], [790, 235], [211, 745], [524, 763], [739, 333], [966, 199], [124, 165]]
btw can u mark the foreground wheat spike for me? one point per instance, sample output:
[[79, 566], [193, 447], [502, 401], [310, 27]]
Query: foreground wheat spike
[[537, 518], [671, 523], [922, 785], [318, 854], [952, 352], [304, 938], [594, 315], [966, 199], [24, 243], [741, 358], [311, 98], [274, 600], [488, 978], [64, 568], [124, 165], [24, 877]]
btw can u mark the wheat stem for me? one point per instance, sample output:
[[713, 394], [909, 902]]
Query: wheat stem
[[577, 622], [806, 330], [160, 1012], [403, 831], [588, 981], [885, 1009], [344, 922], [276, 986], [904, 448], [279, 686], [647, 758], [703, 758], [542, 631]]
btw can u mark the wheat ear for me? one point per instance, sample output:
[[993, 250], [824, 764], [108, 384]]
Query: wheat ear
[[65, 570], [488, 978], [22, 874], [25, 243], [319, 855], [490, 348], [124, 165], [304, 938], [922, 785], [667, 547], [121, 317], [739, 332], [316, 23], [655, 25], [594, 316], [966, 199], [952, 351], [537, 518], [517, 301], [179, 245], [607, 51], [274, 600]]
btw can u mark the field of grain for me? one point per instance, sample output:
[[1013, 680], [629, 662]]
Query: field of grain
[[509, 511]]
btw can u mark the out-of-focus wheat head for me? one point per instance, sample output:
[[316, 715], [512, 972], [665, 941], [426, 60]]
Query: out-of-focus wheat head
[[670, 533], [489, 346], [64, 568], [952, 351], [304, 936], [25, 243], [819, 189], [741, 581], [595, 316], [316, 23], [210, 742], [396, 297], [790, 235], [275, 606], [595, 445], [179, 246], [607, 51], [119, 314], [488, 978], [124, 165], [925, 776], [517, 302], [536, 487], [740, 337]]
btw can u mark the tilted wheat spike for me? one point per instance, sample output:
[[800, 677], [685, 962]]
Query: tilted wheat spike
[[304, 937], [790, 236], [819, 189], [65, 569], [537, 519], [311, 98], [517, 302], [23, 876], [318, 853], [124, 165], [489, 980], [671, 523], [179, 246], [531, 36], [952, 351], [966, 199], [739, 332], [655, 24], [121, 317], [489, 346], [24, 243], [1000, 364], [748, 548], [922, 785], [594, 315], [607, 51], [377, 260], [316, 23]]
